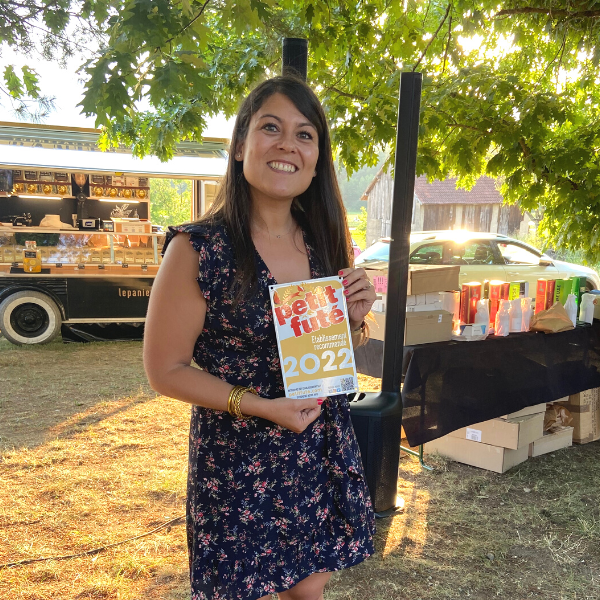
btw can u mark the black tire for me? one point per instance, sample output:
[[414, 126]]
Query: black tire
[[29, 318]]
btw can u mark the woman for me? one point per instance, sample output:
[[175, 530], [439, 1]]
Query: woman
[[277, 499]]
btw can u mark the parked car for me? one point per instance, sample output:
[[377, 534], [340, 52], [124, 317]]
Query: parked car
[[481, 256]]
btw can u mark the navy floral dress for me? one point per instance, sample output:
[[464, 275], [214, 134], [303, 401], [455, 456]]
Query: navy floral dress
[[266, 507]]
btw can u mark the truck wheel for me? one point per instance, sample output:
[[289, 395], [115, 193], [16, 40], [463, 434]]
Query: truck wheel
[[29, 318]]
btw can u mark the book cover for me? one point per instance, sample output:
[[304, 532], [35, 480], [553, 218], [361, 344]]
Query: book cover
[[314, 338]]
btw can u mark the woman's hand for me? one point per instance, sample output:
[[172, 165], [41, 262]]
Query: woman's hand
[[295, 415], [360, 294]]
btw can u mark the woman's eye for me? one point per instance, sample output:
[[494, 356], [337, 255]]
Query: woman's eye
[[270, 127], [306, 135]]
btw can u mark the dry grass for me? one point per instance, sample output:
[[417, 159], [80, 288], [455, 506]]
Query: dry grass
[[92, 457]]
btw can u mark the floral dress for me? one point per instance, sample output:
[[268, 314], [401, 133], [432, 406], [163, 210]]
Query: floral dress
[[266, 507]]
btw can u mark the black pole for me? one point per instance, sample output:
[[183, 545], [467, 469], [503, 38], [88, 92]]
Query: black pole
[[402, 203], [295, 57]]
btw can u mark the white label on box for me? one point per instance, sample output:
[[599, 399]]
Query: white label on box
[[439, 318], [474, 434]]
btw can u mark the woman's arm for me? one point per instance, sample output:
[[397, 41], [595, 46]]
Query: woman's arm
[[175, 319]]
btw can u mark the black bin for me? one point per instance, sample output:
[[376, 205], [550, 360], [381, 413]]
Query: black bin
[[377, 419]]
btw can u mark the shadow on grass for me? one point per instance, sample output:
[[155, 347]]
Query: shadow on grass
[[57, 389]]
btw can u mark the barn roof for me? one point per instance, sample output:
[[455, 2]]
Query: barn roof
[[445, 192]]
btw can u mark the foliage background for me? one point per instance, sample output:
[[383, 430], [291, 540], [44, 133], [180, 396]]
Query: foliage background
[[510, 87], [170, 201]]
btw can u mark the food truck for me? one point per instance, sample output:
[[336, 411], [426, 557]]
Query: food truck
[[85, 214]]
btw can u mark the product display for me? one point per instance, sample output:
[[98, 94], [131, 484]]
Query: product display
[[502, 324], [498, 290], [586, 311], [63, 250], [516, 315], [527, 312], [571, 308], [469, 295]]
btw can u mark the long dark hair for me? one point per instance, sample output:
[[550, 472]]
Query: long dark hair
[[319, 210]]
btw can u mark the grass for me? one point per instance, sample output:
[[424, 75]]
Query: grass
[[91, 456]]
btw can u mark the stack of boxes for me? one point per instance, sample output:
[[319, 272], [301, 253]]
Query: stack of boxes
[[499, 444], [549, 291], [495, 445], [432, 303]]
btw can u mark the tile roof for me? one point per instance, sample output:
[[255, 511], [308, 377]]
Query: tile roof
[[445, 192]]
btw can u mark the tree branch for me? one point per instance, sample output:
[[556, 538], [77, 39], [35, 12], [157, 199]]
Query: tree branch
[[346, 94], [447, 44], [433, 38], [189, 24], [528, 10]]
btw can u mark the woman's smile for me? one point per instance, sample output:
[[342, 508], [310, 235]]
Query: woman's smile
[[283, 166]]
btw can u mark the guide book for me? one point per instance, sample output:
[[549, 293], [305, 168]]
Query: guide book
[[314, 338]]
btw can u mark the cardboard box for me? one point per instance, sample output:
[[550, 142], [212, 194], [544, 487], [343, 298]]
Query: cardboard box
[[497, 290], [562, 289], [469, 296], [529, 410], [549, 442], [506, 433], [484, 456], [518, 289], [424, 302], [514, 290], [427, 327], [544, 294], [423, 279], [585, 410]]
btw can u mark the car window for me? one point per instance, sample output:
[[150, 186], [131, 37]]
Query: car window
[[378, 251], [517, 255], [478, 253], [428, 254]]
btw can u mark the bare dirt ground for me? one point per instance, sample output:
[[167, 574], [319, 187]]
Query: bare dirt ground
[[90, 457]]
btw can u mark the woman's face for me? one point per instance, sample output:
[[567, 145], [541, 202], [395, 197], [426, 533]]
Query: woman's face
[[280, 152]]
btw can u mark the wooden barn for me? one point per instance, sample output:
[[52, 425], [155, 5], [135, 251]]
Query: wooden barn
[[441, 205]]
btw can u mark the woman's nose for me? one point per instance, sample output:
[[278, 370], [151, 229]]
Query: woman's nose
[[287, 142]]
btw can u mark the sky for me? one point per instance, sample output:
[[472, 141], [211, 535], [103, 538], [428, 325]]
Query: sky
[[64, 85]]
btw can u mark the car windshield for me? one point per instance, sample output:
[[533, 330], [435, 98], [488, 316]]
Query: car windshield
[[378, 251]]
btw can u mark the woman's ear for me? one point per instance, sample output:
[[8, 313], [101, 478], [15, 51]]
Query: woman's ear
[[239, 152]]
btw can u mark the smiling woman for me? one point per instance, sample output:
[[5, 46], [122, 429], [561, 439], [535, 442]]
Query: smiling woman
[[277, 498]]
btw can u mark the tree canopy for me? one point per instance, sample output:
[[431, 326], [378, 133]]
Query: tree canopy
[[510, 88]]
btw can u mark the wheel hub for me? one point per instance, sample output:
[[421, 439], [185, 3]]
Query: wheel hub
[[29, 320]]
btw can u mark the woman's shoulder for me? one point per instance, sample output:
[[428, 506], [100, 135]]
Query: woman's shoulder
[[202, 234]]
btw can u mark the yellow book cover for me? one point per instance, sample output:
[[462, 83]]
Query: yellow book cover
[[314, 338]]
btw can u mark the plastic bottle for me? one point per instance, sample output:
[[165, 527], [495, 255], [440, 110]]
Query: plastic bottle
[[516, 315], [527, 313], [482, 317], [586, 311], [502, 325], [571, 308]]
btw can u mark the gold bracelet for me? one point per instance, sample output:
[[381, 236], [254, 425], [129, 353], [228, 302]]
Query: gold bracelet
[[235, 399], [231, 400]]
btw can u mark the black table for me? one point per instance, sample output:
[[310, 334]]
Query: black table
[[450, 385]]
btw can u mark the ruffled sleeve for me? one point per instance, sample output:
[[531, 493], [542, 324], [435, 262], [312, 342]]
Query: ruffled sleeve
[[213, 261]]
